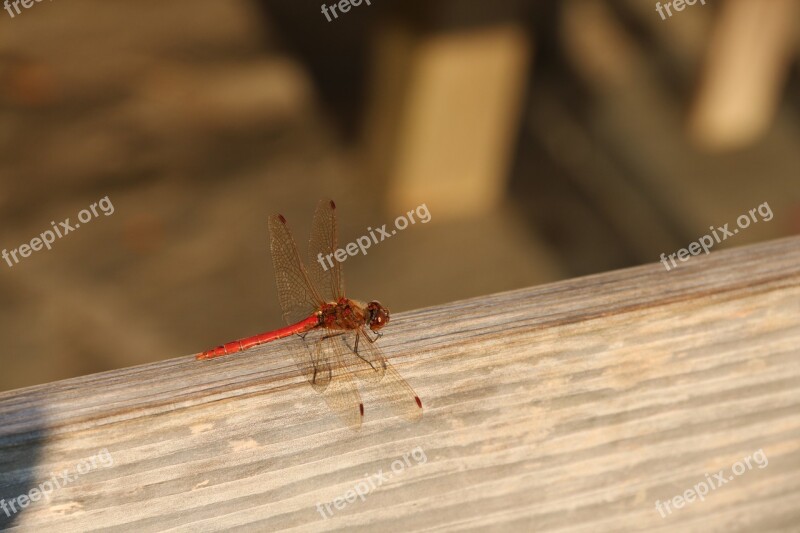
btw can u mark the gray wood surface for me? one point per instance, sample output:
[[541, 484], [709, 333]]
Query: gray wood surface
[[575, 405]]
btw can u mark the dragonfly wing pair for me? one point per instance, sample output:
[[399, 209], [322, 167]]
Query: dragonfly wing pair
[[332, 356]]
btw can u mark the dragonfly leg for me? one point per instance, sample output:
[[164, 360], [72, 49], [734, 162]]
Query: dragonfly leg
[[355, 351], [378, 335], [314, 377]]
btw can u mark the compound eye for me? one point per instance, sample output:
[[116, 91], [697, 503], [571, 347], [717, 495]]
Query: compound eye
[[378, 316]]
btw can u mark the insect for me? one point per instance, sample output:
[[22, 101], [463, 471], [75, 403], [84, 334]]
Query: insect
[[339, 334]]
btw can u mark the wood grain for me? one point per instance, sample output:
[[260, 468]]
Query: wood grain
[[572, 406]]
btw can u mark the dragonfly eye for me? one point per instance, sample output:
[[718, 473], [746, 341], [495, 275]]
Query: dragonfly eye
[[378, 316]]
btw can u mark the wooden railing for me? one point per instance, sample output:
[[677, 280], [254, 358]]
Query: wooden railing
[[579, 404]]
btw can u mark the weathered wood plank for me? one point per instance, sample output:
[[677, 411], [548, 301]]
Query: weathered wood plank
[[574, 405]]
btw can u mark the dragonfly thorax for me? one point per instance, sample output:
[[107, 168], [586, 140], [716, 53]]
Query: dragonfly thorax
[[349, 314], [344, 314]]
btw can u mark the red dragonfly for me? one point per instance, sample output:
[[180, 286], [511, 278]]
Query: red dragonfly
[[334, 328]]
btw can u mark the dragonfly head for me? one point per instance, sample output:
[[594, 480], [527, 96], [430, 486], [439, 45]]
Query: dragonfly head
[[378, 315]]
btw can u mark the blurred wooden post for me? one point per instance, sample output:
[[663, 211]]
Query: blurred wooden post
[[444, 115], [746, 66]]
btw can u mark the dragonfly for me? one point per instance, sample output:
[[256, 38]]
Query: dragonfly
[[339, 335]]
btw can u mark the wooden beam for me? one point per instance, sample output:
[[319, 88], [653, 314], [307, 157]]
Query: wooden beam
[[577, 404], [746, 66], [445, 111]]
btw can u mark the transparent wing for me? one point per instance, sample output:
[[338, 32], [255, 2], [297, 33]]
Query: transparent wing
[[401, 397], [365, 363], [325, 271], [297, 296], [313, 360], [341, 394]]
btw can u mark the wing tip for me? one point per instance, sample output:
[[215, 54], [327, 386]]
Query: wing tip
[[332, 203]]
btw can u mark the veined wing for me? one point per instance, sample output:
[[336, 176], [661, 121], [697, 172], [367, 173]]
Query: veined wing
[[365, 363], [401, 397], [341, 394], [314, 361], [297, 296], [325, 271]]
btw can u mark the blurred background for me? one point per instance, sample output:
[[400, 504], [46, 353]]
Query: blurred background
[[548, 139]]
